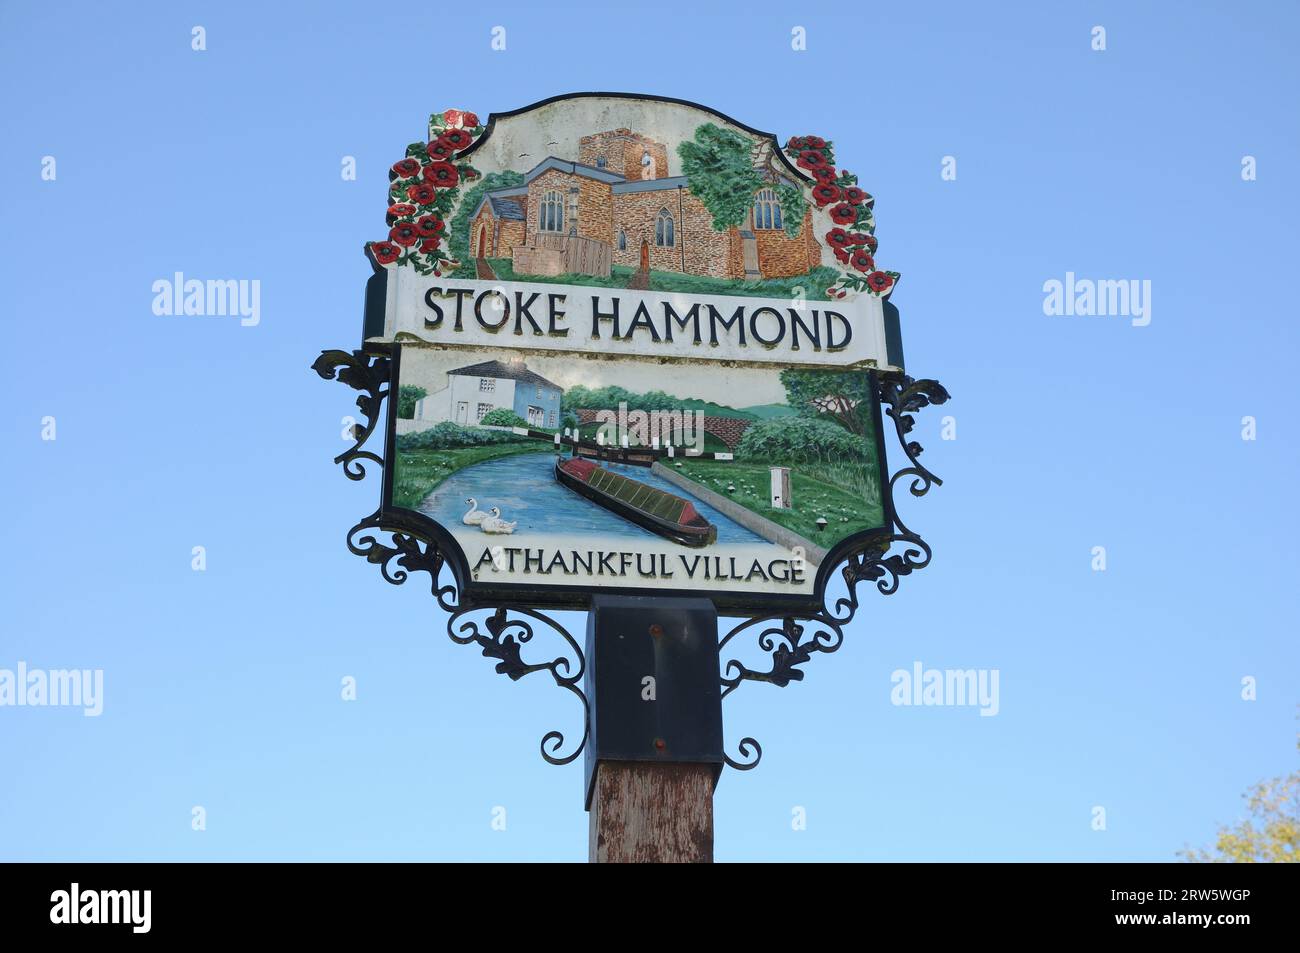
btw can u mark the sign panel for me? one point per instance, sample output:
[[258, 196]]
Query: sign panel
[[634, 345]]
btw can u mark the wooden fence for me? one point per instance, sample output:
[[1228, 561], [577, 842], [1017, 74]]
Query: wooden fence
[[564, 254]]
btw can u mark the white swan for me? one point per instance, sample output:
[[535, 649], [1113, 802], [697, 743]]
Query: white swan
[[475, 516], [493, 523]]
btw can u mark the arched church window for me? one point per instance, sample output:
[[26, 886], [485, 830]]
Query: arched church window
[[550, 215], [664, 229]]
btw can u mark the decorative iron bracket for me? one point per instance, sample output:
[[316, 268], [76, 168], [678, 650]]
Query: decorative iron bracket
[[364, 372]]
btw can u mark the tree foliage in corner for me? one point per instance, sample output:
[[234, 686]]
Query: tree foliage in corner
[[792, 206], [721, 174], [407, 395], [842, 396], [1269, 835]]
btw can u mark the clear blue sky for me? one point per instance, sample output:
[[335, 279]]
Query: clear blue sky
[[1119, 689]]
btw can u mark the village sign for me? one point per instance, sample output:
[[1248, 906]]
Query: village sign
[[627, 345]]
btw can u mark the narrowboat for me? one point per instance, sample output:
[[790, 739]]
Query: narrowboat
[[656, 510]]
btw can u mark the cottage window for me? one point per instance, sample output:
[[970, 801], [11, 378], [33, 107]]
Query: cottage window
[[600, 162], [487, 385], [484, 410], [664, 229], [622, 241], [767, 210], [551, 213]]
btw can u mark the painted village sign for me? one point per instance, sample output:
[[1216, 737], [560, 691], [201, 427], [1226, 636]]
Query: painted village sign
[[633, 344]]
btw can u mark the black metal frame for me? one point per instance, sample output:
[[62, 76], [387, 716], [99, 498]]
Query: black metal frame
[[418, 544]]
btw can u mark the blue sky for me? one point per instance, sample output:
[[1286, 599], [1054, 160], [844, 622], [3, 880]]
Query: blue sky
[[1119, 689]]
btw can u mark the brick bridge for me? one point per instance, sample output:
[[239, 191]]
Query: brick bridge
[[727, 429]]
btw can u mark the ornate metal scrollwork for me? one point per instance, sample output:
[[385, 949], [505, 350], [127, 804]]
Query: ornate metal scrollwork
[[499, 636], [503, 641], [901, 397], [364, 372]]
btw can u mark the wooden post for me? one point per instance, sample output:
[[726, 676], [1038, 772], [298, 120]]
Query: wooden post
[[654, 748], [646, 813]]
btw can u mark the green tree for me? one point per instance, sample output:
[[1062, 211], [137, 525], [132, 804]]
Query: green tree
[[458, 237], [842, 396], [720, 169], [407, 395], [1270, 833]]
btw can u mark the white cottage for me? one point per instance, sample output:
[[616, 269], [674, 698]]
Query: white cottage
[[474, 391]]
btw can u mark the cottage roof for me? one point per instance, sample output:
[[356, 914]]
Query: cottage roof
[[515, 371]]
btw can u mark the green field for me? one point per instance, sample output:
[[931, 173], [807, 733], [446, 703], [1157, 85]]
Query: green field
[[769, 411], [814, 283], [419, 472], [846, 512]]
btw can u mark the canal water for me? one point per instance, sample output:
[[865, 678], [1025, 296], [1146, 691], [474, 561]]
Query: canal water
[[524, 488]]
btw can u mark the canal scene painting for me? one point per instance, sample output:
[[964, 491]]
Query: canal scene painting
[[565, 467]]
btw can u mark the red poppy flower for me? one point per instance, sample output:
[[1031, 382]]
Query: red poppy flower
[[385, 252], [440, 149], [422, 194], [858, 197], [838, 238], [843, 214], [405, 234], [842, 255], [456, 138], [825, 194], [470, 120], [811, 159], [430, 245], [862, 238], [862, 260], [879, 281], [454, 118], [794, 143], [825, 174], [814, 142], [441, 174], [406, 168], [429, 225], [401, 210]]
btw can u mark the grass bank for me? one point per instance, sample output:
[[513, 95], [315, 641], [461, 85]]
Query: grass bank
[[812, 497], [814, 283]]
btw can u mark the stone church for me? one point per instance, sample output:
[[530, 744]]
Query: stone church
[[618, 204]]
